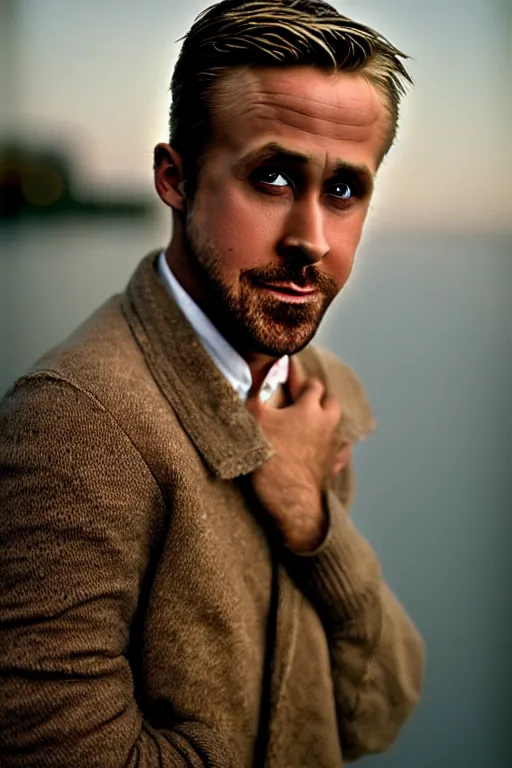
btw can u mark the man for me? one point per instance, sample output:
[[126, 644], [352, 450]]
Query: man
[[181, 582]]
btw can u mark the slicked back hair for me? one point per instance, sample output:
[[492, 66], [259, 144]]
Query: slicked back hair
[[271, 33]]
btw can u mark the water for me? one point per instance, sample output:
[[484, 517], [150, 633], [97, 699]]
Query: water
[[426, 323], [53, 276]]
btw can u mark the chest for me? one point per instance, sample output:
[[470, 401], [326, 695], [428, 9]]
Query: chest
[[206, 626]]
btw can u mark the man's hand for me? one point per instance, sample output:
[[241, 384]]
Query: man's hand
[[304, 436]]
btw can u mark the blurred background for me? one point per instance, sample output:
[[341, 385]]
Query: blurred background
[[425, 320]]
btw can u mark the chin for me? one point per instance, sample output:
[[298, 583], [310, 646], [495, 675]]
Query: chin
[[279, 342], [283, 330]]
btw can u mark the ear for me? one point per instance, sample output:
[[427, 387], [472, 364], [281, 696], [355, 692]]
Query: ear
[[168, 175]]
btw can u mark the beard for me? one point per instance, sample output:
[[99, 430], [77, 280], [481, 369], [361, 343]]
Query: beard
[[248, 316]]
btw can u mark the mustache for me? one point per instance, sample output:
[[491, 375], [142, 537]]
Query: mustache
[[304, 277]]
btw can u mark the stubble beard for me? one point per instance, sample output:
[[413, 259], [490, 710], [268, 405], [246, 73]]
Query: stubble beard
[[250, 318]]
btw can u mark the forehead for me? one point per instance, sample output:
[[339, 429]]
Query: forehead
[[322, 114]]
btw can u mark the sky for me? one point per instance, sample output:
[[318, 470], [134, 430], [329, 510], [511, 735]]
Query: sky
[[95, 75]]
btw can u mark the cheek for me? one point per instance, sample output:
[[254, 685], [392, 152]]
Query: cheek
[[241, 230], [343, 240]]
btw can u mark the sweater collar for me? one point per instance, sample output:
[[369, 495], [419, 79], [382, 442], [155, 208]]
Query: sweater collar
[[208, 408]]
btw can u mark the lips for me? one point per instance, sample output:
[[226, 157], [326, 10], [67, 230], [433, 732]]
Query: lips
[[289, 292], [290, 288]]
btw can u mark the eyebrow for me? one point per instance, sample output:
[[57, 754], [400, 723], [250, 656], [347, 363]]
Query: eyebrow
[[285, 156]]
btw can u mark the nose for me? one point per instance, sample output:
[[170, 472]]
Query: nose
[[305, 233]]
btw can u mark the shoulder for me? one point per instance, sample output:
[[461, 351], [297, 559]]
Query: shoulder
[[343, 383], [83, 390], [100, 362], [103, 343], [94, 393], [61, 380]]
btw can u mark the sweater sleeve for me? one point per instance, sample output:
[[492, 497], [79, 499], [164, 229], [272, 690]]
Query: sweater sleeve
[[377, 654], [73, 549]]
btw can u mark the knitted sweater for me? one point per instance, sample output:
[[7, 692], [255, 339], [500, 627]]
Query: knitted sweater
[[138, 573]]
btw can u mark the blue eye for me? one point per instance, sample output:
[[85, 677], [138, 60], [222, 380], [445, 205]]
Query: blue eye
[[272, 178], [342, 191]]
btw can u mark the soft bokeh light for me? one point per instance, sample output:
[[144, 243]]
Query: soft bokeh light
[[97, 74]]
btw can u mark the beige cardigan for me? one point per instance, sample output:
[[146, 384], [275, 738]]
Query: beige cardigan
[[136, 568]]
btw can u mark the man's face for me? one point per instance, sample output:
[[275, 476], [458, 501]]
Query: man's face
[[281, 200]]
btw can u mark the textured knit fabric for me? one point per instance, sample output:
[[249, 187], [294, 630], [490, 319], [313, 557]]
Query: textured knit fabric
[[136, 568]]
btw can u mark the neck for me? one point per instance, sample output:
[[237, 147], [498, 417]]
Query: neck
[[259, 366]]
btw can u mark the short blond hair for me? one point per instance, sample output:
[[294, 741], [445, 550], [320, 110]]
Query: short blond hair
[[272, 33]]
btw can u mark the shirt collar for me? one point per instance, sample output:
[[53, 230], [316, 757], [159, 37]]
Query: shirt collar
[[228, 361]]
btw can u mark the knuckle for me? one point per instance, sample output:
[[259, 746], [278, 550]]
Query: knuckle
[[316, 386], [333, 406], [314, 391]]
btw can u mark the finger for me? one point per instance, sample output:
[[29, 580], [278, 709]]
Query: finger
[[296, 380], [332, 407], [341, 458], [336, 469], [312, 392], [254, 405]]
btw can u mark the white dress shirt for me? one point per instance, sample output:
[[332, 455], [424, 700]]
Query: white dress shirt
[[227, 359]]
